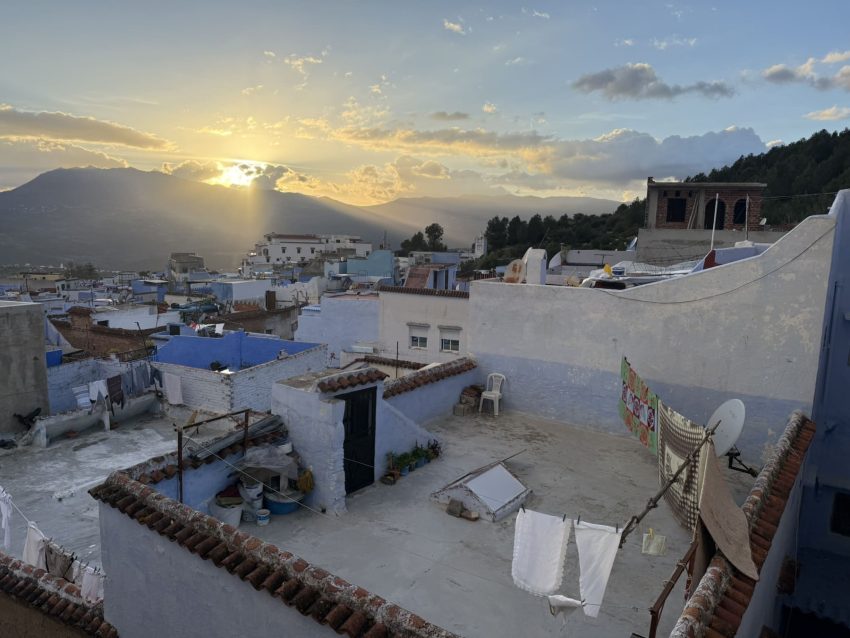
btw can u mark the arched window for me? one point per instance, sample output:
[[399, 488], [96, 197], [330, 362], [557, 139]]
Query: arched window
[[739, 216], [709, 215]]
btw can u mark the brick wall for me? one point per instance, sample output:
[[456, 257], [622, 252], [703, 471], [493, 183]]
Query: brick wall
[[252, 387], [728, 197], [202, 389]]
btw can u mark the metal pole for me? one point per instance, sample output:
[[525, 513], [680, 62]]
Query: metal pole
[[245, 433], [634, 521], [714, 222], [179, 462], [747, 219], [658, 607]]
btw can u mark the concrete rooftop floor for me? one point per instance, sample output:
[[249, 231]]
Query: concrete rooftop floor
[[50, 485], [397, 543]]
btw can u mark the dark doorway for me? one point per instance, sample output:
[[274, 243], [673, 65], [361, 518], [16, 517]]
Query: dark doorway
[[709, 214], [359, 445]]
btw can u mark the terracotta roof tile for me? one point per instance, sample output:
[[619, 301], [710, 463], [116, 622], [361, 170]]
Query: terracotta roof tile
[[313, 592], [431, 375], [350, 380], [723, 595], [433, 292], [53, 596], [386, 361]]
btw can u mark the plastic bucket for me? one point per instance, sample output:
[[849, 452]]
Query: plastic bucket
[[263, 517], [252, 491]]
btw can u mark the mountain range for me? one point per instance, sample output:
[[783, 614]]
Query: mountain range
[[127, 218]]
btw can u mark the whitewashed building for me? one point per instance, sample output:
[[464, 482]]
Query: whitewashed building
[[283, 249]]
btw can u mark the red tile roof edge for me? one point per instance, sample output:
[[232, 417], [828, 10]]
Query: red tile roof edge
[[54, 597], [719, 602], [431, 375], [433, 292], [160, 468], [330, 600], [387, 361], [348, 380]]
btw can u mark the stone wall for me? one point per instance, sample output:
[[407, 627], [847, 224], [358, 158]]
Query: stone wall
[[23, 369]]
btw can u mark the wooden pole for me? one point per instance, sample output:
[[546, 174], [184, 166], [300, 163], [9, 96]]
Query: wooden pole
[[179, 462]]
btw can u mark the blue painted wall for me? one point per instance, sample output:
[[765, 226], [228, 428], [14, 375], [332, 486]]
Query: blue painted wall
[[236, 350], [380, 263], [433, 400], [200, 485]]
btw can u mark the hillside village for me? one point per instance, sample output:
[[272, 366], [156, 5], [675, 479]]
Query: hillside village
[[646, 438]]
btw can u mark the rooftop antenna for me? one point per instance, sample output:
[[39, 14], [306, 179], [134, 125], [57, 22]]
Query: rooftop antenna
[[731, 414]]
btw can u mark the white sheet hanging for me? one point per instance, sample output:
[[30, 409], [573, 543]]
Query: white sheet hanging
[[540, 547], [597, 547], [91, 587], [35, 548], [173, 388], [6, 517]]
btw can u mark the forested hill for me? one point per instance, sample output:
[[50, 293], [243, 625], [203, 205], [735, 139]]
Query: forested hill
[[796, 175], [819, 164]]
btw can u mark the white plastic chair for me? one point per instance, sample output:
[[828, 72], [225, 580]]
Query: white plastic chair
[[492, 391]]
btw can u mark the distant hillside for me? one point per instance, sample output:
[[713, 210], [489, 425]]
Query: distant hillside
[[819, 164], [126, 218]]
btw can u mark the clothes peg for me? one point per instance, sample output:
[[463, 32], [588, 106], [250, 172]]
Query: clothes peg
[[522, 507], [564, 518], [578, 520]]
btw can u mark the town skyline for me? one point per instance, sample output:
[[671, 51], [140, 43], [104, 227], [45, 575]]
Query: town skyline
[[369, 103]]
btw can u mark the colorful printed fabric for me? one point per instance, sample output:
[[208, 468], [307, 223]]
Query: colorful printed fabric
[[678, 436], [638, 407]]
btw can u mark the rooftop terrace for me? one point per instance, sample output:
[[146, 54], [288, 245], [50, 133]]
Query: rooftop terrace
[[395, 542]]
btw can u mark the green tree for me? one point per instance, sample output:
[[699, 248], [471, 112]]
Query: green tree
[[434, 232], [415, 243], [497, 233], [535, 230], [517, 231]]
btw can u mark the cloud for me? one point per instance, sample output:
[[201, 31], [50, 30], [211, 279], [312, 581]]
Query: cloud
[[489, 107], [540, 14], [515, 61], [628, 42], [270, 54], [193, 170], [444, 116], [454, 27], [58, 126], [831, 114], [301, 64], [674, 41], [23, 159], [773, 143], [252, 89], [836, 57], [807, 73], [640, 82]]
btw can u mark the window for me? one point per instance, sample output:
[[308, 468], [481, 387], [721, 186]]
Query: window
[[449, 339], [418, 335], [739, 216], [312, 251], [283, 251], [676, 208], [840, 523], [709, 214], [298, 250]]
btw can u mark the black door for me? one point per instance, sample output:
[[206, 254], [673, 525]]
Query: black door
[[359, 446]]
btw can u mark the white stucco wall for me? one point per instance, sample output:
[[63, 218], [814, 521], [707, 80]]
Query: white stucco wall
[[156, 587], [738, 330], [398, 310], [342, 321]]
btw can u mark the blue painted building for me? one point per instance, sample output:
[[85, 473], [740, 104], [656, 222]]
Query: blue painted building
[[235, 350]]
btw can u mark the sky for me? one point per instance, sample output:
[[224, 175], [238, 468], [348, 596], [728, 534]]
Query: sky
[[366, 102]]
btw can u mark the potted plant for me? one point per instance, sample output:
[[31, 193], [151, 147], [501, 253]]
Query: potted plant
[[403, 461], [434, 448], [392, 466], [419, 455]]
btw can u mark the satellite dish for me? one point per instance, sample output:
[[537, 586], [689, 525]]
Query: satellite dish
[[515, 272], [730, 415]]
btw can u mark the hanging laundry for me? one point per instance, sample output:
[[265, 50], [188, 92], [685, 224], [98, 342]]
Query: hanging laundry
[[597, 547], [35, 547], [725, 522], [6, 517], [563, 606], [678, 436], [127, 384], [116, 393], [172, 387], [91, 586], [540, 547], [81, 395], [58, 562], [98, 390]]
